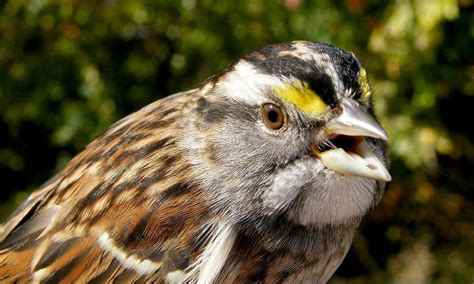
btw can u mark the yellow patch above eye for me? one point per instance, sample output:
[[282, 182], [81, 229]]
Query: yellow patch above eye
[[364, 84], [302, 97]]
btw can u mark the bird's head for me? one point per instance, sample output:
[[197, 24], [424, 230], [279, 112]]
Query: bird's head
[[290, 130]]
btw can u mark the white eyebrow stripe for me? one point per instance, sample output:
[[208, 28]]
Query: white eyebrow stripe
[[246, 84]]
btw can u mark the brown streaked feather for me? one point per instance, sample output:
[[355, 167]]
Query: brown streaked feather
[[27, 209], [125, 184]]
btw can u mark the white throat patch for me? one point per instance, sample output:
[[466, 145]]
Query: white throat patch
[[335, 199], [327, 197]]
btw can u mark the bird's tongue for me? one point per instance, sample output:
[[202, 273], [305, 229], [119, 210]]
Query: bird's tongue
[[363, 162]]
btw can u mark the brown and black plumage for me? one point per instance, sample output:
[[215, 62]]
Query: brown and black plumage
[[262, 174]]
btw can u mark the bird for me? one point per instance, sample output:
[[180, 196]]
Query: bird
[[261, 174]]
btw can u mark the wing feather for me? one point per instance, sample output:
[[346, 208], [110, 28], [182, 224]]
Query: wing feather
[[122, 210]]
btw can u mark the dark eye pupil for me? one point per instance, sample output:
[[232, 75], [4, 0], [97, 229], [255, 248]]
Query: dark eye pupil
[[273, 116]]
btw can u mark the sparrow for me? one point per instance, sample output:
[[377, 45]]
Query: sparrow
[[262, 174]]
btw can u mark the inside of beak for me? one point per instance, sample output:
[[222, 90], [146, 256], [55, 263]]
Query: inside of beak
[[346, 151], [353, 158]]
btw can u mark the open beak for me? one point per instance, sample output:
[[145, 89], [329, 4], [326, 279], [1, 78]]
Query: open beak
[[354, 157]]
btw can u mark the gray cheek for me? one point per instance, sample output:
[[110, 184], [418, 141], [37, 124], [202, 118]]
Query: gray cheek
[[245, 150]]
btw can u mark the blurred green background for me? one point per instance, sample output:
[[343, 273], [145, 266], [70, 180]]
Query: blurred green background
[[68, 69]]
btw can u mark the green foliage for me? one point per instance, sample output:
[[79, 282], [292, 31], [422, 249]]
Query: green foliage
[[68, 69]]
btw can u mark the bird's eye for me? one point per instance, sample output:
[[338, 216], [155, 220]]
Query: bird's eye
[[273, 116]]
